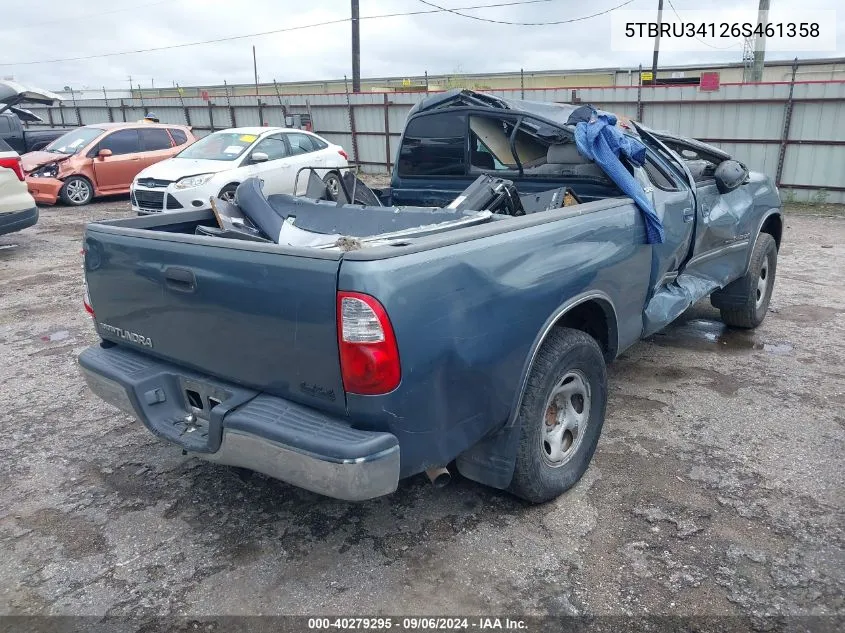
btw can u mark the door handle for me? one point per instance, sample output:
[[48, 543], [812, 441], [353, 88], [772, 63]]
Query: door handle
[[689, 215], [180, 279]]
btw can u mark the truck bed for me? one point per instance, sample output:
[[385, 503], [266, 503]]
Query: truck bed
[[466, 306]]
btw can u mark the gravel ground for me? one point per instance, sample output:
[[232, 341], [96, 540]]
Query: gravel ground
[[717, 487]]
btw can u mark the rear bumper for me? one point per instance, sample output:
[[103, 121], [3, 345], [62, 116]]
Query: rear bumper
[[227, 424], [44, 190], [18, 220]]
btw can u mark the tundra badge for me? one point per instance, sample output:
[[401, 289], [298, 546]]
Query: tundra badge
[[134, 337]]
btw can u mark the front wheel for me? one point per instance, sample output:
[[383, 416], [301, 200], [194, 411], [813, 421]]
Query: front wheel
[[227, 194], [76, 191], [743, 303], [561, 415]]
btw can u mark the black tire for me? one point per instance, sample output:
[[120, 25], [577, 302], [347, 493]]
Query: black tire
[[227, 193], [77, 191], [743, 303], [332, 180], [566, 357]]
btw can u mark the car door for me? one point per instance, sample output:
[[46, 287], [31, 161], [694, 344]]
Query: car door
[[115, 173], [156, 145], [720, 245], [277, 171], [303, 154], [323, 155], [674, 204]]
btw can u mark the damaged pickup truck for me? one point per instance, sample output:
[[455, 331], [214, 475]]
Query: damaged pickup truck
[[342, 347]]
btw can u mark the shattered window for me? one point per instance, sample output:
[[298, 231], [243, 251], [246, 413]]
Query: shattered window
[[530, 146], [702, 164], [489, 144], [658, 176], [433, 145]]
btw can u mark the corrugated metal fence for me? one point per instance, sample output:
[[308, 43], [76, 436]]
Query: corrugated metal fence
[[795, 132]]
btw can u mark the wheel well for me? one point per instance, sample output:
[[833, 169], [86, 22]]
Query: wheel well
[[774, 227], [231, 184], [82, 176], [596, 318]]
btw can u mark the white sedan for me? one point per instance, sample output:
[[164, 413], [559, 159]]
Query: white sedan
[[17, 207], [215, 165]]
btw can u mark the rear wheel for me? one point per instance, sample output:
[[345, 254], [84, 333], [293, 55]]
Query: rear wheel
[[77, 191], [743, 303], [561, 415], [332, 180]]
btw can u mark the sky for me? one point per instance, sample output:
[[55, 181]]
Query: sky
[[440, 43]]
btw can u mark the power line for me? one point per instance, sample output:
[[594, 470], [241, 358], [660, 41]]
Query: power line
[[475, 17], [718, 48], [73, 18], [273, 32]]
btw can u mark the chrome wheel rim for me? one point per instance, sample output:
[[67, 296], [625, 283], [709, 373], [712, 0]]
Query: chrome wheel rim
[[762, 283], [78, 191], [333, 185], [227, 196], [565, 419]]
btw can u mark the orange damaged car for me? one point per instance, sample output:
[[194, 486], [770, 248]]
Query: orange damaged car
[[99, 160]]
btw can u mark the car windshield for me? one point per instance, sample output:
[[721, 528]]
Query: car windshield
[[73, 141], [219, 146]]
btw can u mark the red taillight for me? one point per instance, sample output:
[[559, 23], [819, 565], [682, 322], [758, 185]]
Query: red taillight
[[343, 153], [87, 302], [369, 357], [14, 163]]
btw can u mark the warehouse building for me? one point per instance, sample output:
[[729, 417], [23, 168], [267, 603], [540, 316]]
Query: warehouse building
[[808, 70]]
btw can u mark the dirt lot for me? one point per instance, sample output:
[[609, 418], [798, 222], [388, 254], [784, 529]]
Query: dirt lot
[[718, 486]]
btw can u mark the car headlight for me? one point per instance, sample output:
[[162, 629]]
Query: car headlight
[[47, 171], [193, 181]]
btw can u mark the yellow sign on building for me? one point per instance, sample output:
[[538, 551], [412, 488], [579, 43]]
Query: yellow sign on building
[[646, 75]]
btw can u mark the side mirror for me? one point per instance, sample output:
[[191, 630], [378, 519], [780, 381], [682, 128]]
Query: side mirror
[[104, 153], [259, 157], [729, 175]]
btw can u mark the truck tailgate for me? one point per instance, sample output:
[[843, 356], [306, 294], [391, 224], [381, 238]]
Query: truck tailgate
[[244, 313]]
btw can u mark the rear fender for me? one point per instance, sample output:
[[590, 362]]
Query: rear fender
[[491, 461]]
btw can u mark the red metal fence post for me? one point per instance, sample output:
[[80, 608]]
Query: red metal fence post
[[787, 122], [386, 133]]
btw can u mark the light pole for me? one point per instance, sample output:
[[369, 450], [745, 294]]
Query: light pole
[[356, 49], [657, 42]]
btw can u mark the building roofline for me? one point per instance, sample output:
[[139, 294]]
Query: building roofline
[[532, 73]]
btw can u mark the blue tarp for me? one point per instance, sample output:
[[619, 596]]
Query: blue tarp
[[601, 141]]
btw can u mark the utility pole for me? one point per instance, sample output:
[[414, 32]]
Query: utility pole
[[130, 86], [760, 42], [255, 70], [356, 49], [657, 42]]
